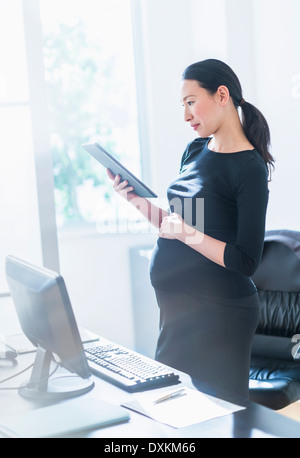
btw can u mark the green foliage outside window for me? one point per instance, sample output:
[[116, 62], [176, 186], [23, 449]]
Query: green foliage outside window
[[74, 75]]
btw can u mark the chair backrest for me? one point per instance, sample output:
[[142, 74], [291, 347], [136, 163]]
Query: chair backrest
[[278, 282]]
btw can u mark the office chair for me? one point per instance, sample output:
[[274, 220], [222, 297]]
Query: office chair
[[274, 379]]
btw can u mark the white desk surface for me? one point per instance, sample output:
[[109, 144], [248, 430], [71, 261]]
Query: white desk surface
[[254, 421]]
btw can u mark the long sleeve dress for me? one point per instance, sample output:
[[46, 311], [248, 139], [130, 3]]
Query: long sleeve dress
[[209, 313]]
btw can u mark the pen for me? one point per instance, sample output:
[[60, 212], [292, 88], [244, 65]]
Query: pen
[[172, 395]]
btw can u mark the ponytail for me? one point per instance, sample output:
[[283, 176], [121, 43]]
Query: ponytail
[[257, 132], [211, 74]]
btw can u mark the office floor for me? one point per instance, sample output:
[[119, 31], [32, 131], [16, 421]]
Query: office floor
[[292, 411]]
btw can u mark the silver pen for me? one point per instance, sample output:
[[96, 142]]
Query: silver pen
[[174, 394]]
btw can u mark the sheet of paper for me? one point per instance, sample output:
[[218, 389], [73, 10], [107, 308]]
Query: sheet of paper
[[178, 412]]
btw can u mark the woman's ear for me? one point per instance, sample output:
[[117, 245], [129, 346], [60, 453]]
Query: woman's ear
[[223, 95]]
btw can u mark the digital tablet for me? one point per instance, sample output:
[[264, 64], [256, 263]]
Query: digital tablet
[[109, 162]]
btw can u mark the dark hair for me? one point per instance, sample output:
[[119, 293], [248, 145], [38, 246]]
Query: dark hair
[[211, 74]]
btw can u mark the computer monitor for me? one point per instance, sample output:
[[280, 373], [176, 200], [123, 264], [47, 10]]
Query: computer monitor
[[46, 317]]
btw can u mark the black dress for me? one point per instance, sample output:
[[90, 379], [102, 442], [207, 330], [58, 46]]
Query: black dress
[[208, 313]]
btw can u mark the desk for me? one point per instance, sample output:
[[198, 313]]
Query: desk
[[252, 422]]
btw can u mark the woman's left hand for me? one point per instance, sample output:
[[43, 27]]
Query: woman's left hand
[[172, 227]]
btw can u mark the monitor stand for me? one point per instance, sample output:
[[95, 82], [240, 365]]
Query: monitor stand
[[41, 387]]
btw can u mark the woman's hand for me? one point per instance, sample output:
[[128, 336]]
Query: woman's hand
[[172, 227], [150, 211], [121, 187]]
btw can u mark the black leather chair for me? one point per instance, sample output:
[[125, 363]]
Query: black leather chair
[[275, 360]]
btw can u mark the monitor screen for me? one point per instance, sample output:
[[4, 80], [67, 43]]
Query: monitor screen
[[45, 313]]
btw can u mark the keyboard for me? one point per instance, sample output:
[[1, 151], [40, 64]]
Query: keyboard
[[126, 368]]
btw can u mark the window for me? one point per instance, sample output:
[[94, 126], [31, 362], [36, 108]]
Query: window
[[90, 77], [20, 225]]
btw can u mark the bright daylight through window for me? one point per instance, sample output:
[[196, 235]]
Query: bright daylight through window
[[91, 90]]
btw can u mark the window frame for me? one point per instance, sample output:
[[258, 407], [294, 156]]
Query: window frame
[[40, 133]]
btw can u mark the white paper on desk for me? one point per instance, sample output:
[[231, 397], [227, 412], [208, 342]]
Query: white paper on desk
[[194, 407]]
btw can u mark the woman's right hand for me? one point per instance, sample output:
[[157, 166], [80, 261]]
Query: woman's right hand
[[121, 187], [152, 213]]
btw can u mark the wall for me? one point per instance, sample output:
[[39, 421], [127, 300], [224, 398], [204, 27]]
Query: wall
[[97, 274], [277, 51]]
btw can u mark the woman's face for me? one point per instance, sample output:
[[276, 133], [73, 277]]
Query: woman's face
[[201, 109]]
